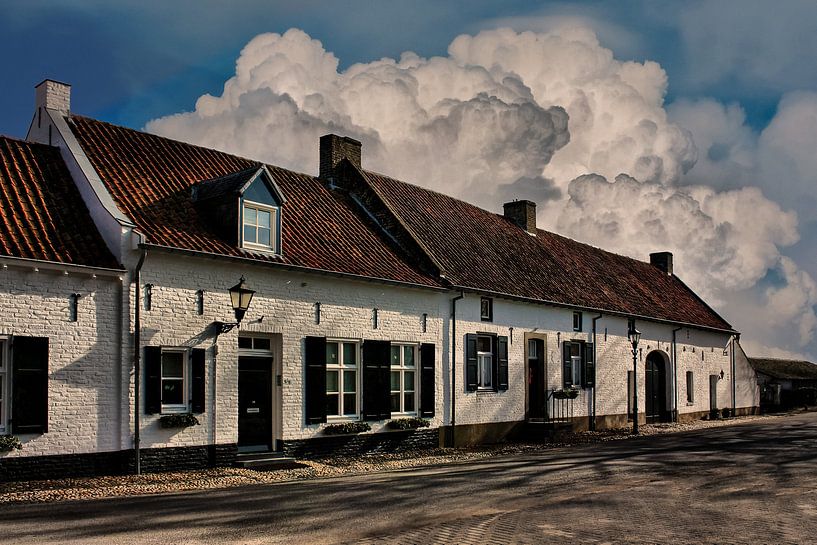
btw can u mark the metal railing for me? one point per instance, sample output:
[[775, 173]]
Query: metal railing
[[558, 409]]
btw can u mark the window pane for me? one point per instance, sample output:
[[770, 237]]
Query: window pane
[[395, 403], [349, 354], [250, 216], [531, 349], [349, 381], [263, 236], [349, 404], [260, 343], [395, 355], [409, 402], [172, 392], [331, 353], [331, 381], [263, 218], [172, 365], [485, 371], [249, 233], [332, 404], [245, 342], [408, 381], [408, 356], [483, 344], [395, 380]]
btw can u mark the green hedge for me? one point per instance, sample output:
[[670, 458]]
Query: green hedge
[[408, 423], [9, 443], [178, 420], [346, 427]]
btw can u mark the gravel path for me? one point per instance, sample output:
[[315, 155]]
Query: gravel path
[[155, 483]]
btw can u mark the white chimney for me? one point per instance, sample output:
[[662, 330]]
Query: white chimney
[[53, 95]]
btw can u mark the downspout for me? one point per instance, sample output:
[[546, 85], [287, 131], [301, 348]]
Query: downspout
[[735, 339], [137, 362], [675, 373], [453, 358], [596, 367]]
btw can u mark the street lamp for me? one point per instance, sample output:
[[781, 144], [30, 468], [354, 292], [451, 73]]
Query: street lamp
[[240, 297], [634, 336]]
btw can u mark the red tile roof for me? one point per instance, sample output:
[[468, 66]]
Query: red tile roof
[[42, 214], [150, 179], [484, 251]]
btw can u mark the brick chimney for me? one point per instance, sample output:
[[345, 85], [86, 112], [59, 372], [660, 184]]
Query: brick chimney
[[53, 95], [335, 149], [662, 260], [522, 213]]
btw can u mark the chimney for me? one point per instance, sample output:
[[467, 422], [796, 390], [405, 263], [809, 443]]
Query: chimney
[[335, 149], [522, 213], [53, 95], [662, 260]]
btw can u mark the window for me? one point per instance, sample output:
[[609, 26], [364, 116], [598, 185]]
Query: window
[[577, 321], [486, 309], [254, 343], [200, 302], [486, 362], [690, 388], [73, 307], [174, 381], [578, 364], [259, 222], [630, 324], [341, 378], [403, 378]]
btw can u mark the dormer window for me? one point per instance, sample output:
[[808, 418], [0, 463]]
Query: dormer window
[[259, 221]]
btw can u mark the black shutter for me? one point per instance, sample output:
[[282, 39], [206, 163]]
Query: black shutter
[[197, 380], [428, 353], [153, 379], [471, 362], [567, 369], [376, 380], [589, 367], [502, 363], [29, 383], [315, 380]]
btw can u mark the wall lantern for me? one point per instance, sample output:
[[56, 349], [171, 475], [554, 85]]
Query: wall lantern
[[240, 298]]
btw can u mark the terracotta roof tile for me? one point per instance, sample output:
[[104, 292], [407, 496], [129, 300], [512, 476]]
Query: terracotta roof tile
[[42, 215], [485, 251]]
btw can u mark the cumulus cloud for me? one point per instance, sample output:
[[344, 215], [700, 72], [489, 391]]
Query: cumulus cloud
[[548, 116]]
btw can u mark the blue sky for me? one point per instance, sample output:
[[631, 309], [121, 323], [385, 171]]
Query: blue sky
[[714, 124]]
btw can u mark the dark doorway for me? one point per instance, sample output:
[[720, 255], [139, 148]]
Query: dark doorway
[[655, 403], [537, 396], [254, 403]]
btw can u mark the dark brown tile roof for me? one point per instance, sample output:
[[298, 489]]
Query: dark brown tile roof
[[484, 251], [785, 369], [42, 215], [150, 179]]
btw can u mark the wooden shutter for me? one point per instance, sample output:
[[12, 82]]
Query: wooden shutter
[[315, 380], [567, 367], [197, 380], [502, 363], [471, 362], [29, 384], [428, 354], [589, 367], [153, 379], [376, 386]]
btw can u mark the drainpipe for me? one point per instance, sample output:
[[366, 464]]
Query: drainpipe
[[453, 359], [596, 367], [675, 373], [137, 362], [735, 339]]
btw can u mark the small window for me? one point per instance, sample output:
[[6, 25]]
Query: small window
[[341, 378], [403, 378], [254, 343], [690, 388], [486, 307], [485, 363], [259, 226], [174, 381], [148, 303], [630, 324], [200, 302], [73, 307], [577, 321], [532, 350]]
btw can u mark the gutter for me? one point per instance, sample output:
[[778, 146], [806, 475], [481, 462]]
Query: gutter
[[675, 373], [23, 262], [596, 368], [453, 359], [137, 363]]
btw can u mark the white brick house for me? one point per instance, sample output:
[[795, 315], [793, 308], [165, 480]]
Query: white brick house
[[374, 300]]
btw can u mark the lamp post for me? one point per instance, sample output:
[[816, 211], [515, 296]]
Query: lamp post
[[634, 335], [240, 297]]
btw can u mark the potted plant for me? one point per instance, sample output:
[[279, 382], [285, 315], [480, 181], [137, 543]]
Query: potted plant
[[9, 443], [343, 428], [411, 423], [182, 420]]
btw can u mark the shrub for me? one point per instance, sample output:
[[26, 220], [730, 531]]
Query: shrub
[[184, 420], [9, 443], [346, 427], [567, 393], [408, 423]]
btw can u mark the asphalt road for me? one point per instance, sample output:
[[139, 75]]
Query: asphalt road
[[748, 483]]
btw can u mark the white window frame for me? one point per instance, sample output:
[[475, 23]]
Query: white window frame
[[401, 368], [340, 367], [273, 211], [168, 408], [488, 357], [5, 373]]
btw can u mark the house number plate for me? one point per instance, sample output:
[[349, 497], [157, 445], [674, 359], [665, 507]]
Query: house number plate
[[253, 410]]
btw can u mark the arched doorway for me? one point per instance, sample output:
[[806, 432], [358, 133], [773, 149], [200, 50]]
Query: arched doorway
[[655, 378]]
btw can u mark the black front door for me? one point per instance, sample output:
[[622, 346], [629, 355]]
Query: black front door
[[655, 382], [254, 403], [536, 378]]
